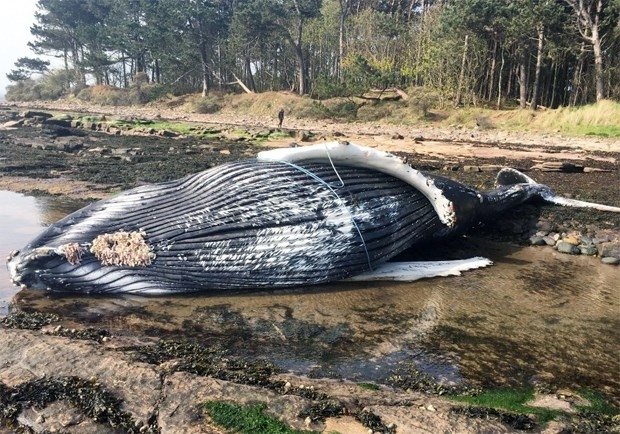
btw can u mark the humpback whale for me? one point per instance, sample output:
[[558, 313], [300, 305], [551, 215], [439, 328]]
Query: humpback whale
[[290, 217]]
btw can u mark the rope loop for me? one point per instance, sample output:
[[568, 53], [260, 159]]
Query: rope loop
[[333, 189]]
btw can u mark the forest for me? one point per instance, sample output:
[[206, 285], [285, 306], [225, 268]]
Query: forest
[[493, 53]]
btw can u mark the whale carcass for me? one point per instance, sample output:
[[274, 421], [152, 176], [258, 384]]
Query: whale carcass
[[290, 217]]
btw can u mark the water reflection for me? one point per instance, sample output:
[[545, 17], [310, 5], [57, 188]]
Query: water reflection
[[21, 219], [534, 313]]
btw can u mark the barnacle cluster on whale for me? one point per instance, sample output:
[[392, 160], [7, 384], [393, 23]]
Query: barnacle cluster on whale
[[290, 217]]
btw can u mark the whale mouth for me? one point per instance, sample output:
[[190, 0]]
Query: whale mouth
[[25, 267]]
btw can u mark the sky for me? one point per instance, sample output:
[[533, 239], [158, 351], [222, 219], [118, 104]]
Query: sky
[[15, 22]]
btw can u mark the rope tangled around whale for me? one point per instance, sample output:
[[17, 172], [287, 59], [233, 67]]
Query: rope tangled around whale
[[333, 189]]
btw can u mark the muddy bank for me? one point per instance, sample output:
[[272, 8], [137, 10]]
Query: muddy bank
[[162, 388]]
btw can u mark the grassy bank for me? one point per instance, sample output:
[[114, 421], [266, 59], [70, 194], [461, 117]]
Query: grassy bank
[[601, 119], [421, 107]]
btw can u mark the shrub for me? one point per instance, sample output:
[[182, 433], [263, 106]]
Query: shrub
[[376, 111], [316, 110], [47, 87], [104, 95], [346, 109], [205, 105]]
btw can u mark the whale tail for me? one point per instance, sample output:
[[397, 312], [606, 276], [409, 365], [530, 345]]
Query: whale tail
[[507, 178]]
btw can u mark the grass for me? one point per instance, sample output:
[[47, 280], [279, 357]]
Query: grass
[[513, 400], [369, 386], [247, 419], [600, 119], [598, 404]]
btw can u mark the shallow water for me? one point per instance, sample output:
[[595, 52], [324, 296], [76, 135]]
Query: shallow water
[[534, 314], [21, 219]]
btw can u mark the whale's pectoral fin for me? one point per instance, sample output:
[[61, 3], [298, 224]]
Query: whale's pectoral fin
[[410, 271], [508, 176]]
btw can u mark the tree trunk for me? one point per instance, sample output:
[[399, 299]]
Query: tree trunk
[[539, 55], [205, 68], [598, 64], [345, 6], [301, 63], [577, 76], [588, 24], [248, 74], [522, 81], [553, 86], [499, 83], [462, 74], [491, 80]]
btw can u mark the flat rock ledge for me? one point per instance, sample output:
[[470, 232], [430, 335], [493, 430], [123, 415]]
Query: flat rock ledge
[[155, 400]]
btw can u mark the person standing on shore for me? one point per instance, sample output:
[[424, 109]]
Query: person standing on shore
[[280, 118]]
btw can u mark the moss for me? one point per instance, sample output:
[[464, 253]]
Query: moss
[[509, 406], [511, 400], [246, 419]]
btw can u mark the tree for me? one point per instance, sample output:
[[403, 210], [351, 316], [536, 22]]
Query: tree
[[27, 66], [589, 15]]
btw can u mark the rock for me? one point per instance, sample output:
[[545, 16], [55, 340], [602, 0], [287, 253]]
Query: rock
[[490, 168], [13, 124], [611, 249], [588, 250], [558, 166], [471, 169], [167, 133], [549, 240], [56, 131], [60, 122], [304, 136], [546, 226], [61, 416], [397, 136], [73, 147], [600, 239], [138, 385], [594, 169], [572, 239], [28, 114], [565, 247], [610, 260], [536, 240]]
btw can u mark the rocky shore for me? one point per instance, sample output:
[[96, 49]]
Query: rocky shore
[[58, 377]]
